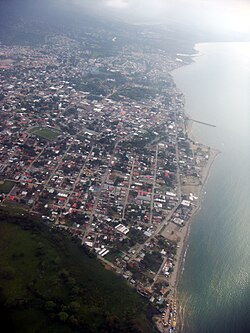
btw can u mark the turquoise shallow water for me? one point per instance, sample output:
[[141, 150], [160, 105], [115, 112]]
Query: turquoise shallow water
[[215, 285]]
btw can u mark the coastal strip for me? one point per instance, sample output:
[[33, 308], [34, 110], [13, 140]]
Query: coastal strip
[[173, 316], [180, 261], [198, 192]]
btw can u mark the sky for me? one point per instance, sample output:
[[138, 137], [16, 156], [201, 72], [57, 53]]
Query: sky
[[217, 15]]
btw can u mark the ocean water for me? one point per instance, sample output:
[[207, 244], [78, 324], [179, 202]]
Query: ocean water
[[214, 289]]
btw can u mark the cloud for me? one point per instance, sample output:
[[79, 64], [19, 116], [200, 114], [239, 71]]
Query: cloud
[[229, 15], [117, 3], [217, 15]]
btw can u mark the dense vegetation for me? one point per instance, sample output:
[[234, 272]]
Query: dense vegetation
[[49, 284]]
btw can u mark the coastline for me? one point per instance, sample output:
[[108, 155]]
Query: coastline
[[176, 275], [180, 261], [174, 278]]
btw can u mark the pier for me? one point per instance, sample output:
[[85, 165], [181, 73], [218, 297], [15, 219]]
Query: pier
[[201, 122]]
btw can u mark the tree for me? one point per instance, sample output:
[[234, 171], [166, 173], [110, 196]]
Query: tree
[[74, 306], [63, 316], [40, 250], [50, 305]]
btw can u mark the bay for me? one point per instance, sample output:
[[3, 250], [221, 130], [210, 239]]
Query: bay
[[214, 289]]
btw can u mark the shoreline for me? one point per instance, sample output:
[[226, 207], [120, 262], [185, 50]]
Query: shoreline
[[174, 279], [181, 259], [199, 192]]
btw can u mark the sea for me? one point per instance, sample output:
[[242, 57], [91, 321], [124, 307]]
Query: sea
[[214, 289]]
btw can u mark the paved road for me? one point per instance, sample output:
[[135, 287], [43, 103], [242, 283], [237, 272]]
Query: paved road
[[154, 184], [128, 189], [159, 271]]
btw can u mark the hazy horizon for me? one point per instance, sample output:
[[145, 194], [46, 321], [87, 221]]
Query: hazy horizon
[[223, 16]]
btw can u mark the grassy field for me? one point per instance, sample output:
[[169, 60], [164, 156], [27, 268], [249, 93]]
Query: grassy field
[[49, 284], [6, 186], [46, 133]]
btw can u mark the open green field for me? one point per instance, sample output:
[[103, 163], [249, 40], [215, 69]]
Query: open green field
[[46, 133], [6, 186], [49, 284]]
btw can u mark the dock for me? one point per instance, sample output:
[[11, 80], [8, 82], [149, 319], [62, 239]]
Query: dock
[[201, 122]]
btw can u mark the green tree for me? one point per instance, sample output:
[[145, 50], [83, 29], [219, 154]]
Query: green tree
[[50, 305], [63, 316], [74, 306]]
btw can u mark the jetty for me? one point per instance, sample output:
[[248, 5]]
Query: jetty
[[201, 122]]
